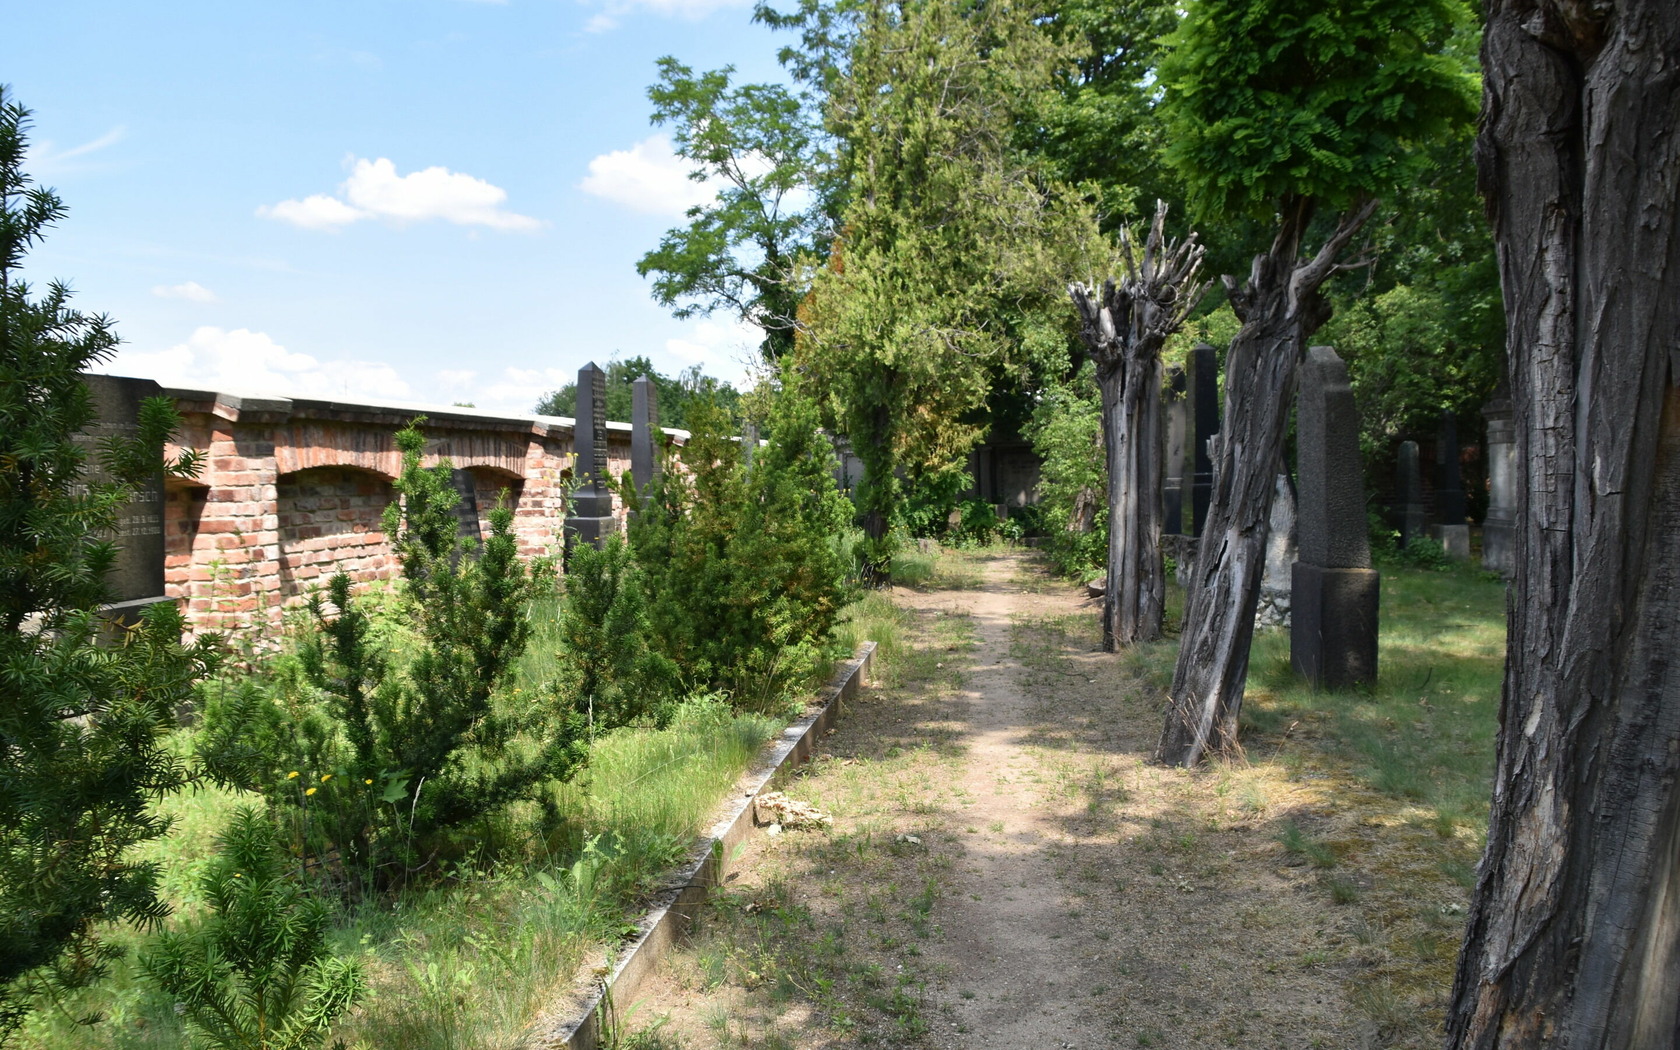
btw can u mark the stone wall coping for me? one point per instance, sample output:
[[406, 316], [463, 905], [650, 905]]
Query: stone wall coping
[[232, 406]]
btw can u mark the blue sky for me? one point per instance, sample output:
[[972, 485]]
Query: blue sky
[[424, 200]]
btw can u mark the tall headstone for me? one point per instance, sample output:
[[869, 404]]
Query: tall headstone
[[136, 577], [1452, 531], [1178, 429], [1333, 633], [644, 432], [466, 508], [589, 514], [1499, 527], [1409, 482], [1204, 407]]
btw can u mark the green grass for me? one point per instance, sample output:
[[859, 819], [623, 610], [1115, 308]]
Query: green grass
[[1425, 732], [470, 958]]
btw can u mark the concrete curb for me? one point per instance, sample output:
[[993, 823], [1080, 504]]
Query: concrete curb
[[675, 907]]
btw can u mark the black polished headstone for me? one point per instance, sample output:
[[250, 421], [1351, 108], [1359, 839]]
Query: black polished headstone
[[136, 577], [1409, 481], [644, 432], [1449, 479], [1204, 407], [590, 511], [1172, 477], [1334, 591], [466, 507]]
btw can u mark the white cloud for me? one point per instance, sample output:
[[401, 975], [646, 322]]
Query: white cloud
[[455, 379], [374, 190], [689, 10], [519, 389], [252, 362], [725, 347], [648, 177], [44, 160], [192, 292]]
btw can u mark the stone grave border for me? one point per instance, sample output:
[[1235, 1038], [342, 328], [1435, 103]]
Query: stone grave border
[[675, 907]]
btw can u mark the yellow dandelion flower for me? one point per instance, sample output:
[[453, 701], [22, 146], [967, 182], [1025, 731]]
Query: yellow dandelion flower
[[325, 777], [239, 875], [293, 775], [369, 780], [311, 791]]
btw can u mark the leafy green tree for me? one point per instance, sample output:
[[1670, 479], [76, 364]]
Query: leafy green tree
[[952, 247], [745, 565], [608, 671], [1067, 434], [258, 975], [84, 706], [406, 753], [1284, 108], [749, 251], [675, 392]]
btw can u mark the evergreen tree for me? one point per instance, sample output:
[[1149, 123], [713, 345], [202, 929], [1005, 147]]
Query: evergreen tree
[[83, 706]]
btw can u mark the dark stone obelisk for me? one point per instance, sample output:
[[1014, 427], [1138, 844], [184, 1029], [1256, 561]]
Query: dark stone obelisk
[[136, 576], [466, 508], [1452, 530], [1499, 528], [1334, 590], [1172, 477], [1204, 408], [589, 512], [1409, 481], [644, 432]]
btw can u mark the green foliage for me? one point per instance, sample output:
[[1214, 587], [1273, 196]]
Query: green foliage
[[400, 756], [675, 393], [259, 974], [84, 704], [607, 669], [1073, 482], [1266, 100], [744, 564], [947, 278], [747, 251]]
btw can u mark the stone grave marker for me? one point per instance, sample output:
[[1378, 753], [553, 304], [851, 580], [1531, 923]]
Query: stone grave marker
[[1277, 581], [589, 512], [136, 577], [1334, 590], [1204, 407], [1172, 477], [1499, 527], [1452, 531], [1409, 481], [466, 508], [644, 432]]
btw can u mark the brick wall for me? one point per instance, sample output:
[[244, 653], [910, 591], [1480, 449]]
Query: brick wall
[[293, 490]]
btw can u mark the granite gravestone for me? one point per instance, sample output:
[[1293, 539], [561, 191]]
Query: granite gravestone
[[1204, 408], [1452, 531], [1409, 481], [466, 508], [1172, 478], [1500, 524], [644, 433], [1333, 606], [136, 577], [589, 515]]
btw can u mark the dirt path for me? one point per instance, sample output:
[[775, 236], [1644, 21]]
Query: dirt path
[[1007, 870]]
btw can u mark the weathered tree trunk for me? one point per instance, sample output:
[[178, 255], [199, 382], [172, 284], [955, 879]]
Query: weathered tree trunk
[[1123, 333], [1134, 603], [1574, 933], [1279, 307]]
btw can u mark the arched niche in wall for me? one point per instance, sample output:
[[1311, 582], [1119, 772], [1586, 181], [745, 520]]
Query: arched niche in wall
[[330, 521]]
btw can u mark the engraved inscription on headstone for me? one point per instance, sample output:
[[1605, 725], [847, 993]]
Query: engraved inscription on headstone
[[466, 508], [1499, 527], [136, 578]]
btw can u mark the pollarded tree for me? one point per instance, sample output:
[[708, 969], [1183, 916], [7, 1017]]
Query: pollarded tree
[[83, 716], [1574, 932], [1286, 107], [1123, 332]]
